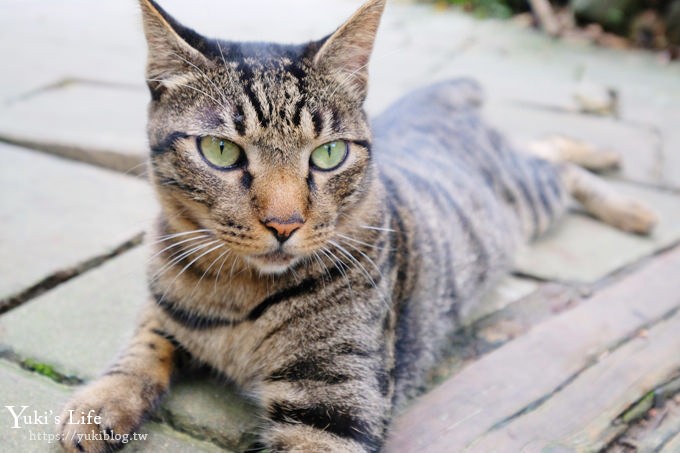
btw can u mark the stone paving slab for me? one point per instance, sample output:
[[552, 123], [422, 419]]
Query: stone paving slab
[[56, 213], [582, 249], [667, 128], [95, 314], [211, 410], [22, 388], [45, 42], [528, 64], [510, 289], [103, 125]]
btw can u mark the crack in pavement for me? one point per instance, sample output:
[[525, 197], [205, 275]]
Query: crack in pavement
[[64, 275], [130, 165], [67, 82]]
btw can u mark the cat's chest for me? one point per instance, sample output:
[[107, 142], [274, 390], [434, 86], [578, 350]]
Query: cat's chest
[[234, 351]]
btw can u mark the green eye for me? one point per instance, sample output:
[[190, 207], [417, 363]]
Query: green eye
[[330, 155], [219, 152]]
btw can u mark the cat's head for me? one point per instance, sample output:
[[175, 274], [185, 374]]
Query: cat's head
[[267, 146]]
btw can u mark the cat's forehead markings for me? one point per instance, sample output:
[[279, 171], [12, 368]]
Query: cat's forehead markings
[[212, 118]]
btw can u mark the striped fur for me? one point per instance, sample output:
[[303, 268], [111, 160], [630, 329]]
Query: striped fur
[[403, 237]]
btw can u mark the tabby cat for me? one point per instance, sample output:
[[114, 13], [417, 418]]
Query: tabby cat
[[316, 261]]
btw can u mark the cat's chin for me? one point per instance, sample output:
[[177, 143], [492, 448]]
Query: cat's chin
[[273, 263]]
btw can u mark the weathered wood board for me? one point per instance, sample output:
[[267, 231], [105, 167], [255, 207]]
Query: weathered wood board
[[528, 371]]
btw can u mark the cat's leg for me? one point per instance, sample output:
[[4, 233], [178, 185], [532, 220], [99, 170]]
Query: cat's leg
[[603, 201], [337, 403], [563, 149], [117, 403], [597, 196], [310, 417]]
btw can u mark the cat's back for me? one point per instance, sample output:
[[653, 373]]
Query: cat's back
[[435, 141], [435, 156], [465, 199]]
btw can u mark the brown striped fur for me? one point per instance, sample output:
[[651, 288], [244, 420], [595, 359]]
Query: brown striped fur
[[334, 328]]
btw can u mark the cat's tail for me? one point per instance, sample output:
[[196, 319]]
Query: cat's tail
[[599, 198]]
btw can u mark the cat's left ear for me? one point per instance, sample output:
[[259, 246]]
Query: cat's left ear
[[346, 52], [173, 48]]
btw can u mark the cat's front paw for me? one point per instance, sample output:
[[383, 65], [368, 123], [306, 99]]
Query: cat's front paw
[[103, 416]]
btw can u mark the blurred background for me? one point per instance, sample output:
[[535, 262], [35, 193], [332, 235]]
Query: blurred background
[[646, 24], [576, 350]]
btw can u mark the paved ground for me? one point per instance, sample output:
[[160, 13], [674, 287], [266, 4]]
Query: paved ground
[[569, 354]]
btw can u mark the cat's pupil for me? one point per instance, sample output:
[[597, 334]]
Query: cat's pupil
[[329, 148], [221, 146]]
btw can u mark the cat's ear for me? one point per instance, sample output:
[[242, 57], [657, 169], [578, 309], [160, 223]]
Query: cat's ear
[[172, 48], [346, 52]]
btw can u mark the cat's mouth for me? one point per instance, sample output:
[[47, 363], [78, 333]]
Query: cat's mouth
[[275, 262], [277, 256]]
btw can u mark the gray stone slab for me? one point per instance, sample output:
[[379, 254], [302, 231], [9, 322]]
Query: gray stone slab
[[582, 249], [79, 327], [212, 410], [510, 289], [47, 42], [664, 120], [56, 213], [104, 125], [22, 388]]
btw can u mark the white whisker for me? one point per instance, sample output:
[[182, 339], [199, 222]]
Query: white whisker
[[366, 227], [357, 241], [176, 260], [362, 268], [339, 265], [187, 267], [219, 271], [175, 235], [205, 272], [367, 258], [176, 244], [356, 262]]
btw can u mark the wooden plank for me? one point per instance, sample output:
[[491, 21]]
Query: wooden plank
[[528, 369], [673, 446], [658, 431], [579, 416]]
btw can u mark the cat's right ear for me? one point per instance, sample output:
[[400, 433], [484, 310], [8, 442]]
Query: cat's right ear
[[172, 49]]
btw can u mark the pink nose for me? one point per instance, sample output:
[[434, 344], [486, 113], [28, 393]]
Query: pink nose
[[283, 229]]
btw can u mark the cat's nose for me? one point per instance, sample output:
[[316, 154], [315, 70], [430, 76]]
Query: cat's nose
[[283, 228]]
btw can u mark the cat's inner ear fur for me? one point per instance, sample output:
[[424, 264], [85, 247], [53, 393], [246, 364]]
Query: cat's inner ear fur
[[346, 52], [172, 49]]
